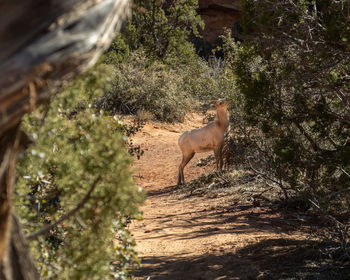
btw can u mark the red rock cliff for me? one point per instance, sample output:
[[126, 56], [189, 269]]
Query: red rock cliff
[[218, 14]]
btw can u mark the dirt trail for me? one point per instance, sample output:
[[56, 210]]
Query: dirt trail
[[201, 237]]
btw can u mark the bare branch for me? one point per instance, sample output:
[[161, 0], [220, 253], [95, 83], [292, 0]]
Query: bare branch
[[283, 188]]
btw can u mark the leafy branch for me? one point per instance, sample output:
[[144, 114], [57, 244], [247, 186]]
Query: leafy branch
[[45, 230]]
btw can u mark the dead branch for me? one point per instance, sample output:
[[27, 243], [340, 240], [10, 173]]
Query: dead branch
[[283, 188]]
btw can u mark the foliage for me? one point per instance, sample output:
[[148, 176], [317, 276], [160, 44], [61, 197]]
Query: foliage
[[208, 80], [293, 71], [117, 53], [166, 93], [157, 73], [153, 88], [163, 28], [78, 154]]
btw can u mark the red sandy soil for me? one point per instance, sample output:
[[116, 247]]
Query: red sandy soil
[[199, 237]]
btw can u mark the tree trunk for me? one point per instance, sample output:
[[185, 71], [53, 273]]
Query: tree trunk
[[8, 151], [43, 44], [17, 262]]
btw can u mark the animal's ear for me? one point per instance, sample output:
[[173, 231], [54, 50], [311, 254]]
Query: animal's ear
[[224, 102], [213, 103], [221, 101]]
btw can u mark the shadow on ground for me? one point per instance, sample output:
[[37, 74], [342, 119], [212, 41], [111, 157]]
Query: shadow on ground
[[163, 191], [289, 258], [219, 220], [268, 259]]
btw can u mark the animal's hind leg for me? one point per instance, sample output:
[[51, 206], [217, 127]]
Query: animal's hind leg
[[218, 157], [221, 163], [180, 177], [185, 160]]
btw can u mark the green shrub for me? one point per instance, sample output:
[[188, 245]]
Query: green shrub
[[293, 72], [163, 29], [208, 80], [140, 86], [76, 154], [117, 53]]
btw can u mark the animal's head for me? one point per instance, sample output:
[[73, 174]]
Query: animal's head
[[220, 104]]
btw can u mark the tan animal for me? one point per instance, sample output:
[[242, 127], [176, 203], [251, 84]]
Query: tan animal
[[204, 139]]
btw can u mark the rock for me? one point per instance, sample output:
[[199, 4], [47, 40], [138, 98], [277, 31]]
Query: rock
[[218, 15]]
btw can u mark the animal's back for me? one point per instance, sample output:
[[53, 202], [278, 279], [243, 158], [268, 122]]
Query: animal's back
[[199, 140]]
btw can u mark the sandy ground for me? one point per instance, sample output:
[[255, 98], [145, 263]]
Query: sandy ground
[[200, 237]]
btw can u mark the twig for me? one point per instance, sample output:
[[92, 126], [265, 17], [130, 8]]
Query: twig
[[264, 191], [325, 213], [269, 178], [47, 228], [218, 175], [346, 173]]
